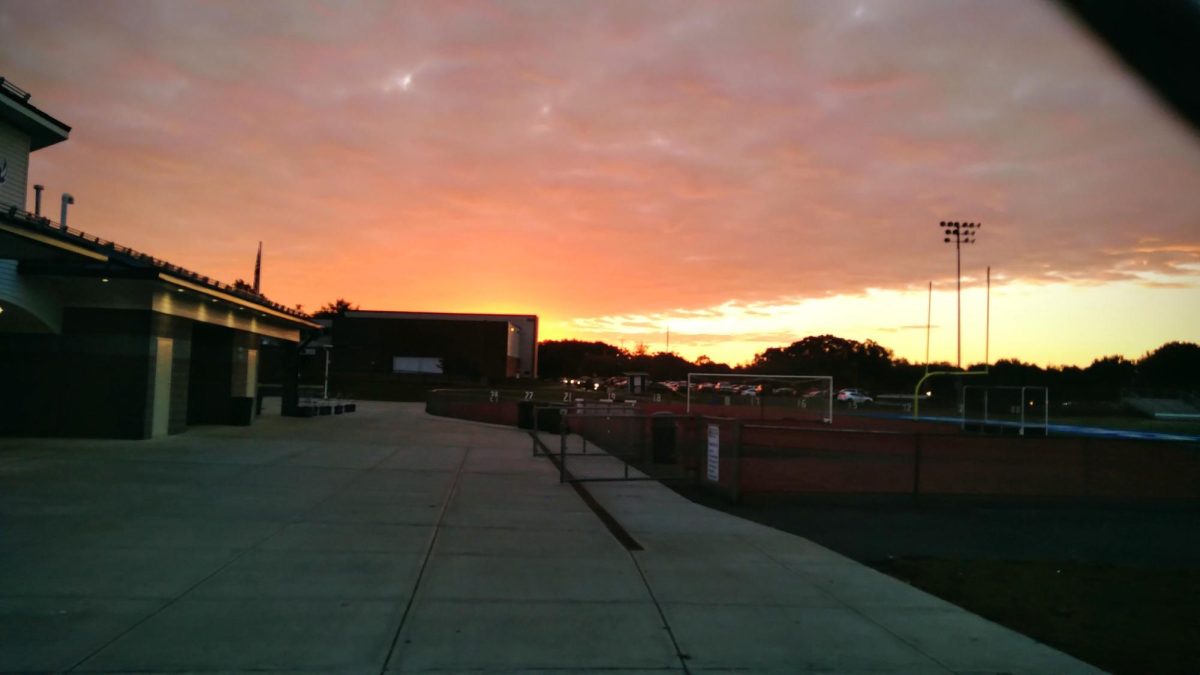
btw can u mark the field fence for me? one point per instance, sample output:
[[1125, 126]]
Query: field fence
[[740, 457]]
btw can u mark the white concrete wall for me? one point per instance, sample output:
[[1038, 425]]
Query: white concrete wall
[[14, 150], [160, 411], [28, 306]]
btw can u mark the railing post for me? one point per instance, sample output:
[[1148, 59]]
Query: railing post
[[562, 446], [916, 481], [735, 492]]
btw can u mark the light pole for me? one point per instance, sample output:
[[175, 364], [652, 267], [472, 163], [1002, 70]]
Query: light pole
[[959, 234]]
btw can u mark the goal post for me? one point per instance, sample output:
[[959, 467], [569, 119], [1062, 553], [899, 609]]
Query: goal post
[[771, 396], [1024, 410]]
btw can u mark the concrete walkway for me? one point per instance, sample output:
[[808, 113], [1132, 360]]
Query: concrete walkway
[[388, 540]]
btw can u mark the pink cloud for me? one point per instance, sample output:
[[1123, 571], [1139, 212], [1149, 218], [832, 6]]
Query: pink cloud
[[660, 156]]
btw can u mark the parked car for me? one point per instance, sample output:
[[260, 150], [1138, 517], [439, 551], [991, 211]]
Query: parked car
[[854, 396]]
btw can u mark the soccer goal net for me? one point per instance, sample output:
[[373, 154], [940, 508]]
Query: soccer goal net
[[1024, 411], [808, 397]]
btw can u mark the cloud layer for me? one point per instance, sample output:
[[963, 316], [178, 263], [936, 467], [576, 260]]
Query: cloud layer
[[596, 159]]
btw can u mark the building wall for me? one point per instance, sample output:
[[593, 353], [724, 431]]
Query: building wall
[[522, 342], [96, 379], [38, 310], [180, 332], [211, 376], [471, 352], [468, 349], [219, 372], [90, 381], [14, 148]]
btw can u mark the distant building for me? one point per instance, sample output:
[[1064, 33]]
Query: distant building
[[99, 340], [372, 351]]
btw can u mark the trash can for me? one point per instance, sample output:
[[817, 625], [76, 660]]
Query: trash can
[[525, 415], [662, 437], [241, 410], [549, 418]]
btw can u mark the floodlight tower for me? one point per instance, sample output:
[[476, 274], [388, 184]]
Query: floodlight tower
[[959, 234]]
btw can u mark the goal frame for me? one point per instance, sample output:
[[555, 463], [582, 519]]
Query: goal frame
[[827, 379], [1023, 422]]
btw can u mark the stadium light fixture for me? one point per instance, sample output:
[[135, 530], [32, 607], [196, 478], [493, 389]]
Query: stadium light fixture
[[959, 234]]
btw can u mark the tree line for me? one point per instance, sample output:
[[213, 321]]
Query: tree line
[[1172, 368]]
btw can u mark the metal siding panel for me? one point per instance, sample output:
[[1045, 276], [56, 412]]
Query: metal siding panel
[[14, 147]]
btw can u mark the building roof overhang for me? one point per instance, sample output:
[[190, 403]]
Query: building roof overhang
[[16, 110], [45, 248]]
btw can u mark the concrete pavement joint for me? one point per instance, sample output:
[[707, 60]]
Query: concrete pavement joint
[[207, 578], [631, 545], [437, 528], [614, 526], [683, 658]]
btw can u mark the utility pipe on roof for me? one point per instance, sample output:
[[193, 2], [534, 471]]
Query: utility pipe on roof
[[37, 199], [67, 200]]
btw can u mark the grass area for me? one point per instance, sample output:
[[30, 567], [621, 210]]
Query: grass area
[[1124, 620], [1128, 601]]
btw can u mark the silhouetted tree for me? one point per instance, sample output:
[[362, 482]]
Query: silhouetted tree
[[1016, 373], [336, 308], [853, 363], [662, 366], [570, 358], [1175, 365], [1104, 378], [706, 365]]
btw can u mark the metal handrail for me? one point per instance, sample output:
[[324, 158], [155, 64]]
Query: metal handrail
[[14, 89]]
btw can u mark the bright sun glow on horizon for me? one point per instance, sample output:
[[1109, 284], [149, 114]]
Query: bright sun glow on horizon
[[1063, 324]]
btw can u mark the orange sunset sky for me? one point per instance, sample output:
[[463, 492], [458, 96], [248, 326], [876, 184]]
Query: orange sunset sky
[[742, 174]]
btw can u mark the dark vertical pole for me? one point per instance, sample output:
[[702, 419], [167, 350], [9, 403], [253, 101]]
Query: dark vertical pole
[[291, 379], [735, 492], [987, 325], [258, 396], [916, 481], [958, 268], [928, 325], [562, 446]]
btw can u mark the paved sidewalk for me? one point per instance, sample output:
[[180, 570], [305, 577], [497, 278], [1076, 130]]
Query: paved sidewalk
[[389, 540]]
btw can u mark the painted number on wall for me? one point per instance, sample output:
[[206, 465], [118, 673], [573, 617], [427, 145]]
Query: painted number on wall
[[493, 396], [529, 396]]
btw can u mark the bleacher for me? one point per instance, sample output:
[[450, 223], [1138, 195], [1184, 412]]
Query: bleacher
[[1163, 408]]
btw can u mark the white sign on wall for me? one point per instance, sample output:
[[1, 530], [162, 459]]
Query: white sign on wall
[[416, 364], [714, 452]]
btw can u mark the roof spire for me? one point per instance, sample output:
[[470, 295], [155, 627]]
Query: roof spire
[[258, 270]]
